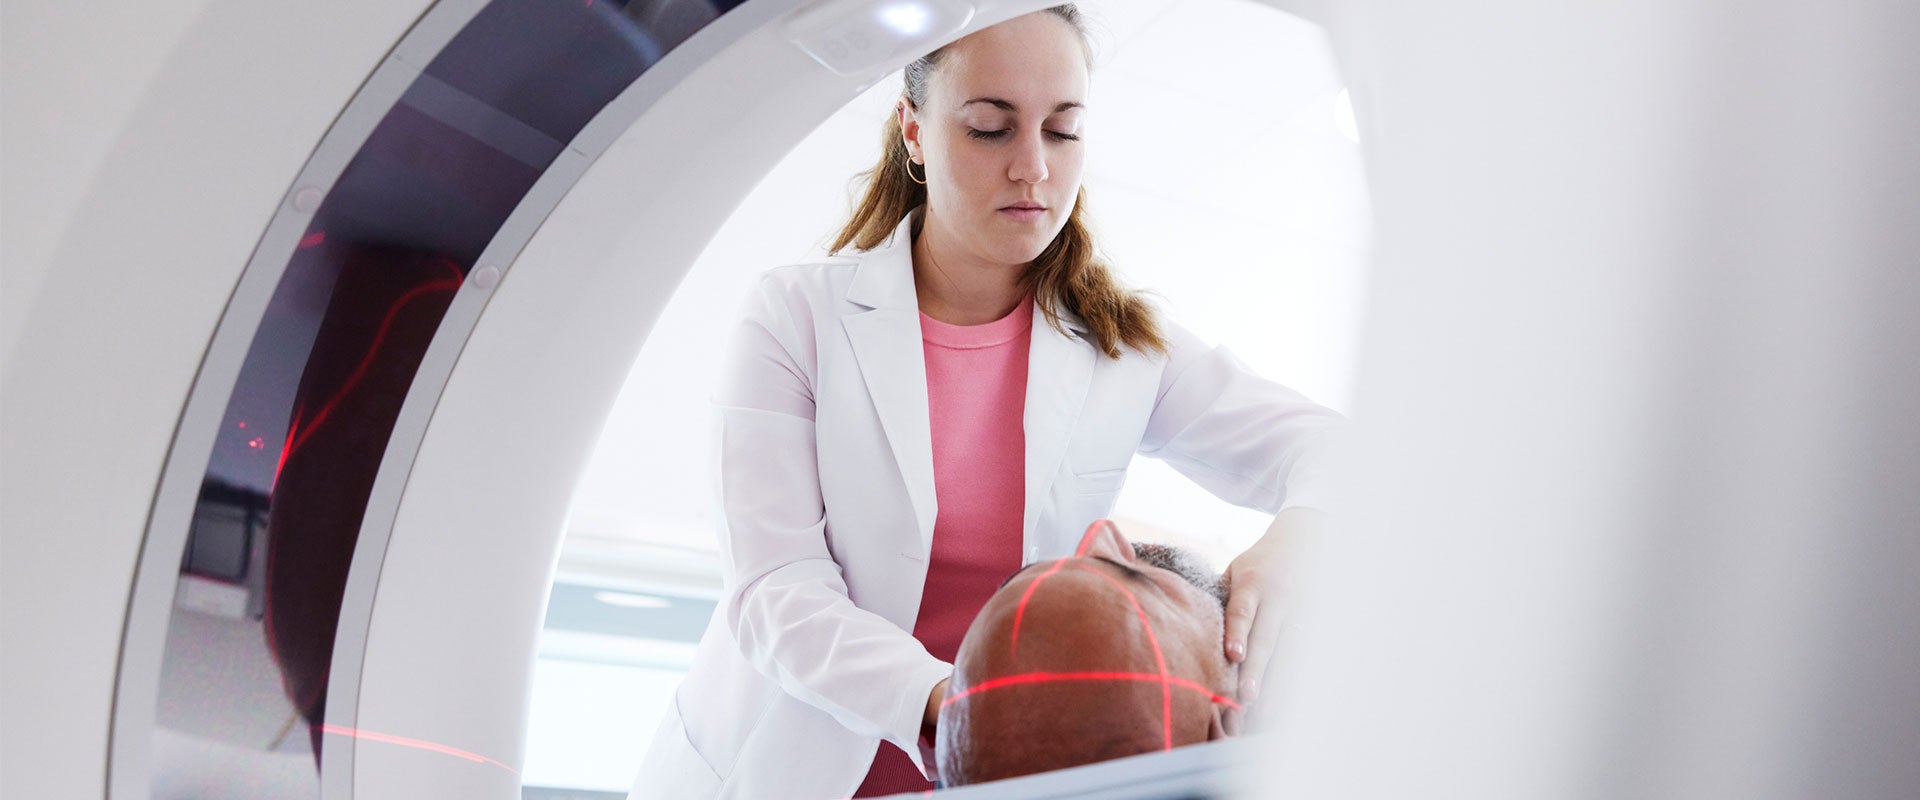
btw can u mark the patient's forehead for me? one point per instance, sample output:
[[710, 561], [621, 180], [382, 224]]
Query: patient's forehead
[[1119, 602], [1084, 659]]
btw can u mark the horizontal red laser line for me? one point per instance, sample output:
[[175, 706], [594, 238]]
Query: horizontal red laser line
[[1060, 677], [418, 744]]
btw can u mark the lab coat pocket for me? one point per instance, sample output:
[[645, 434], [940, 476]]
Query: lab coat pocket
[[1106, 481], [672, 769]]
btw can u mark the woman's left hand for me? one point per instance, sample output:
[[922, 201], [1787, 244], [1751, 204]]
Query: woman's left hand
[[1257, 588]]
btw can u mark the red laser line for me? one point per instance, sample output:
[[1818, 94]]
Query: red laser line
[[312, 239], [266, 618], [1019, 613], [1086, 539], [1053, 677], [418, 744], [297, 437], [379, 338], [1160, 658], [286, 446]]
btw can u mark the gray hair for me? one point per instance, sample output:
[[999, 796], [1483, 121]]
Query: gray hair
[[1187, 564]]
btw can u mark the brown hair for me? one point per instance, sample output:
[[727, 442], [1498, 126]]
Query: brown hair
[[1067, 274]]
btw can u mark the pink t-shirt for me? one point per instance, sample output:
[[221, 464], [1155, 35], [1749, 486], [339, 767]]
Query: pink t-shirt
[[976, 401]]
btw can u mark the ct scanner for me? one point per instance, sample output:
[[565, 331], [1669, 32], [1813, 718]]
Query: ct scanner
[[1632, 512]]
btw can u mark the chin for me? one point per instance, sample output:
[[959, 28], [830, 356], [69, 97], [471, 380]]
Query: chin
[[1026, 256], [1021, 245], [1027, 248]]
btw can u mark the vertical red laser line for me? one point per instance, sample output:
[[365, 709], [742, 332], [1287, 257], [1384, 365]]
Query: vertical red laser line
[[418, 744], [1086, 539], [1160, 659], [1020, 612]]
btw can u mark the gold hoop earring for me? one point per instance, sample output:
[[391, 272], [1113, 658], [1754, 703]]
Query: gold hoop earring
[[923, 171]]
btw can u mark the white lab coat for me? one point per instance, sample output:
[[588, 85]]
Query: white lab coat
[[826, 486]]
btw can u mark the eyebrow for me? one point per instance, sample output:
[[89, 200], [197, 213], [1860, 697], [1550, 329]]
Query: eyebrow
[[1006, 105], [1130, 571]]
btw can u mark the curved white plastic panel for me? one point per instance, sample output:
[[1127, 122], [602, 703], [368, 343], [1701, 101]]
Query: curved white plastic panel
[[1654, 539], [1633, 509], [853, 37], [450, 645], [128, 293]]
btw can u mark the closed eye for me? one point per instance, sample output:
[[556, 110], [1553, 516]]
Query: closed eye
[[980, 134]]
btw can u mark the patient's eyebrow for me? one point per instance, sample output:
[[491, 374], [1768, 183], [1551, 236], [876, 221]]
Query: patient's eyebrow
[[1131, 572]]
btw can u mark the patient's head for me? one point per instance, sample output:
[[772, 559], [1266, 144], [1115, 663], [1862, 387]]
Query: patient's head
[[1113, 652]]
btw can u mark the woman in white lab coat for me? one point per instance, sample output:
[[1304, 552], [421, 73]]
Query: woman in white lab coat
[[810, 669]]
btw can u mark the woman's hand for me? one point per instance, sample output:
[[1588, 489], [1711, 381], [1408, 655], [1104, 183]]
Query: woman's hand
[[932, 715], [1257, 584]]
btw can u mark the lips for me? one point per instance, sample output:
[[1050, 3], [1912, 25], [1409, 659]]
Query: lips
[[1024, 211]]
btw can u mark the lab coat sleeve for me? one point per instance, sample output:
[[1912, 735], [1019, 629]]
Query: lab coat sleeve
[[786, 601], [1248, 440]]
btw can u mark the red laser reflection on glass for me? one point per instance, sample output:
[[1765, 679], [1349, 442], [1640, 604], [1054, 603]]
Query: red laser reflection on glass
[[313, 239], [296, 440], [293, 427], [418, 744]]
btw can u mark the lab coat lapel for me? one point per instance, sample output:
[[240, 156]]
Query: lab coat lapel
[[1059, 370], [887, 346]]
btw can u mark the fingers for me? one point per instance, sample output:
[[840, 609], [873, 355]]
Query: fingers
[[1243, 605], [1260, 644]]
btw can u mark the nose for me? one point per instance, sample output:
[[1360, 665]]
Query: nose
[[1103, 538], [1030, 161]]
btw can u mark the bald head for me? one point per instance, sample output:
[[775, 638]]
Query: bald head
[[1111, 653]]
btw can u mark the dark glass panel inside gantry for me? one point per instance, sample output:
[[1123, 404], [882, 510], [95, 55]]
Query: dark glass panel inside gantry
[[251, 636]]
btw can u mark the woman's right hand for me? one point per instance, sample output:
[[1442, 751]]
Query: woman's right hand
[[933, 704]]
